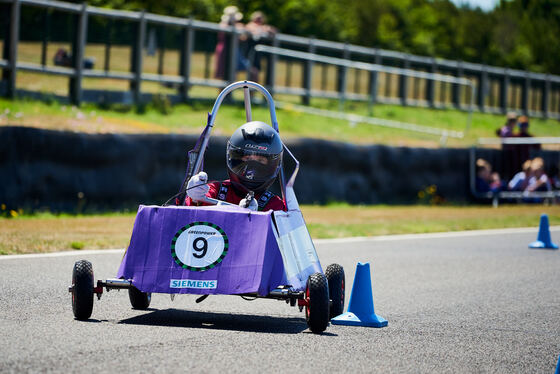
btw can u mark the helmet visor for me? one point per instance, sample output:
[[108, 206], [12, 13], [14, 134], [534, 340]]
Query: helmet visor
[[252, 165]]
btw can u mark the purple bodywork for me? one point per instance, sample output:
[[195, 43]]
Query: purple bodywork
[[252, 262]]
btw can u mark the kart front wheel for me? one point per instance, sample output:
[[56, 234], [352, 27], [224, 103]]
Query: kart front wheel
[[82, 290], [317, 308], [335, 278], [138, 299]]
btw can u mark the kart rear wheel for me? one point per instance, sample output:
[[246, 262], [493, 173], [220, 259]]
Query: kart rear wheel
[[317, 297], [82, 290], [336, 280], [138, 299]]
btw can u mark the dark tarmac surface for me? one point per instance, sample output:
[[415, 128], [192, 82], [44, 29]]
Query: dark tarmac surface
[[473, 302]]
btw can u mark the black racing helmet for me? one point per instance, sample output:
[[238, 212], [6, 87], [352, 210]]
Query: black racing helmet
[[254, 156]]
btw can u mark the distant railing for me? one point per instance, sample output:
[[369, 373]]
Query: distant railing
[[497, 89], [372, 96]]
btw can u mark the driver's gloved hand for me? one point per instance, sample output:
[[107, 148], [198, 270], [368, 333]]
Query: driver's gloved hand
[[253, 205], [197, 187]]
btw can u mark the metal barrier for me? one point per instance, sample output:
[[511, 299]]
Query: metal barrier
[[354, 118], [498, 89], [516, 196], [373, 69]]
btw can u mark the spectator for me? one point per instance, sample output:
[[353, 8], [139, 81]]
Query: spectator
[[486, 180], [555, 181], [538, 180], [63, 58], [523, 125], [507, 130], [231, 17], [509, 158], [520, 180], [258, 30], [523, 151]]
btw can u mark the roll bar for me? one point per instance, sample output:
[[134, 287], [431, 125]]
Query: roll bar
[[247, 86]]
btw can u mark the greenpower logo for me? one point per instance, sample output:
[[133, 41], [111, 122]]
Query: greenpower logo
[[199, 246]]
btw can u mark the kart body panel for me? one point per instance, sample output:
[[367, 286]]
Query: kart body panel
[[259, 251], [252, 262]]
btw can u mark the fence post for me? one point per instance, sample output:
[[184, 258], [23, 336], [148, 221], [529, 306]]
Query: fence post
[[545, 96], [403, 82], [45, 39], [187, 46], [161, 51], [136, 63], [271, 67], [341, 77], [308, 75], [373, 84], [108, 41], [482, 88], [78, 47], [11, 47], [233, 50], [456, 93], [504, 85], [341, 71], [430, 85], [525, 94]]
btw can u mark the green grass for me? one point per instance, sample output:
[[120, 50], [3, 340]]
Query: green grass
[[185, 118], [343, 220], [46, 232]]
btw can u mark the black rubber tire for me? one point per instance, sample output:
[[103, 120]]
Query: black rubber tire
[[337, 285], [317, 295], [138, 299], [82, 290]]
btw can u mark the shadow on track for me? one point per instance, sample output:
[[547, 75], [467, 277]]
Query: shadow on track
[[220, 321]]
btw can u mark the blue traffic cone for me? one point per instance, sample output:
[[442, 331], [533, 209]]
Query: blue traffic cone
[[543, 239], [558, 366], [360, 309]]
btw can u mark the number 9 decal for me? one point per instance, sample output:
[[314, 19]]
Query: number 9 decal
[[199, 246], [203, 248]]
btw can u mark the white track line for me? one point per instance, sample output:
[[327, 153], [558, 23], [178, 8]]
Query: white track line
[[63, 254], [436, 235]]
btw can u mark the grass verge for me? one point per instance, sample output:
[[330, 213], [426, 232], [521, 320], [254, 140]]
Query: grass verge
[[190, 118], [49, 233]]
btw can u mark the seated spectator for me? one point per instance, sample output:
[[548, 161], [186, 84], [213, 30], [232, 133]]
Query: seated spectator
[[63, 58], [555, 181], [538, 180], [520, 180], [486, 180]]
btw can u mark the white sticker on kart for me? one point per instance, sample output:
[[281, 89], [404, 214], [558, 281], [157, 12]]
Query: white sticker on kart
[[199, 246], [193, 283]]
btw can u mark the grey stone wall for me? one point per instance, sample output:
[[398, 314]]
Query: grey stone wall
[[66, 171]]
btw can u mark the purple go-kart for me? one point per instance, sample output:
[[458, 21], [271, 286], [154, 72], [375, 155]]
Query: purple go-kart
[[221, 249]]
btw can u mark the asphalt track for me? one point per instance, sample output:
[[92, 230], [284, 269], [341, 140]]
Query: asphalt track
[[463, 302]]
